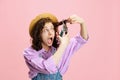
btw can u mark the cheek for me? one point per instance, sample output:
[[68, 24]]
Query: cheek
[[53, 33], [43, 36]]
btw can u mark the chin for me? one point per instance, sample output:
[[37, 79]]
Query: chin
[[49, 45]]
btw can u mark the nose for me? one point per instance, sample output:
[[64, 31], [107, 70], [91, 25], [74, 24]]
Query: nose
[[50, 32]]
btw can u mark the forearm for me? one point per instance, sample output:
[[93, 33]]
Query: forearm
[[83, 31], [58, 54]]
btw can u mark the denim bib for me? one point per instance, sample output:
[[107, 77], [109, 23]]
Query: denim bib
[[40, 76]]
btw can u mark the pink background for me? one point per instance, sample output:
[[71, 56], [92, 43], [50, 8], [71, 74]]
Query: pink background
[[99, 59]]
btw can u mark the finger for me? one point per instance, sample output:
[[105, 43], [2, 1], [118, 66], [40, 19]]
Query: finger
[[60, 38], [69, 20], [73, 19], [67, 35], [57, 34], [73, 16]]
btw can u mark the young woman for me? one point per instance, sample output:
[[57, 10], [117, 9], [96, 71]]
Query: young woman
[[49, 55]]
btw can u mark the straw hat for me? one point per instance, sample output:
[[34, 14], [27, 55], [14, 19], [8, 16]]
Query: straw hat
[[43, 15]]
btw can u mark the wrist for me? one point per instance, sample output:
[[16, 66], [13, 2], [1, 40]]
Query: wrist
[[81, 21], [82, 24], [63, 45]]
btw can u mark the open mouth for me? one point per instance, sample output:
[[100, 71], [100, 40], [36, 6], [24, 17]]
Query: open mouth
[[50, 40]]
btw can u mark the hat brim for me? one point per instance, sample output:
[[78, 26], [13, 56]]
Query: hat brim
[[40, 16]]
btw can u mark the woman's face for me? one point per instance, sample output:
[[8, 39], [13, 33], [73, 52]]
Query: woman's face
[[48, 34]]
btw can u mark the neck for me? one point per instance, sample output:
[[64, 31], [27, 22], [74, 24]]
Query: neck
[[47, 48]]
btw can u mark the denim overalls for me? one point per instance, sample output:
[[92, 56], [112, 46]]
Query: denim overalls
[[40, 76]]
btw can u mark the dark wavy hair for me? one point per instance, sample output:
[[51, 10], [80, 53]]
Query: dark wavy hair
[[36, 33]]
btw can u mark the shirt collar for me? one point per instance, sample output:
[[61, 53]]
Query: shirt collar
[[52, 50]]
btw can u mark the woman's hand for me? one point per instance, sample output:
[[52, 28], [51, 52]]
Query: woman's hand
[[64, 41], [75, 19]]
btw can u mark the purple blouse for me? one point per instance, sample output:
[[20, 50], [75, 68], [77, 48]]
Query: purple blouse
[[42, 61]]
